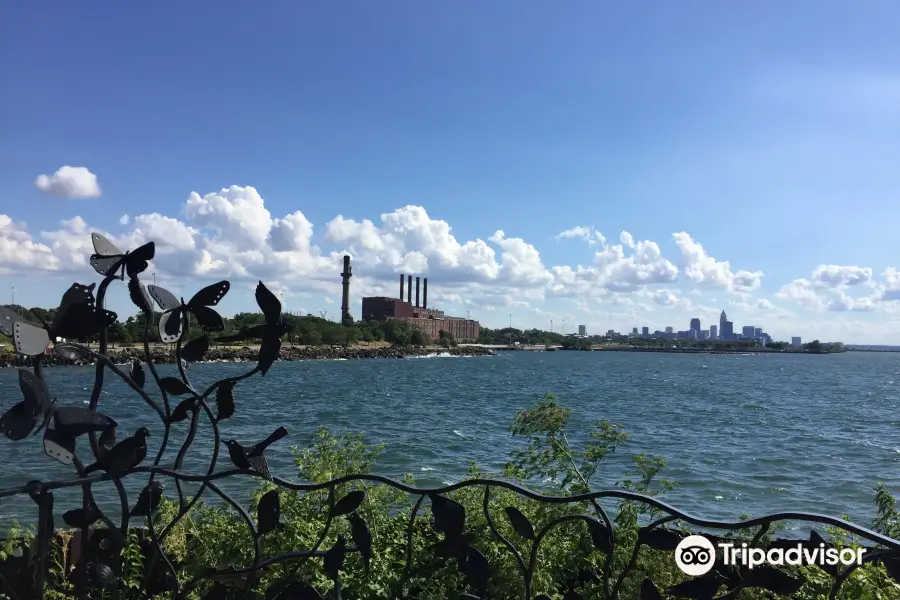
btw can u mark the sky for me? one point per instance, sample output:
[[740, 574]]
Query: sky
[[607, 164]]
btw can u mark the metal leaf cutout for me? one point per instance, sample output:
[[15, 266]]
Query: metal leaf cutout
[[137, 373], [348, 503], [476, 569], [334, 558], [649, 591], [520, 523], [269, 512], [194, 350], [449, 516], [174, 386], [224, 400], [659, 538], [139, 295], [148, 500], [600, 535], [182, 410], [362, 538]]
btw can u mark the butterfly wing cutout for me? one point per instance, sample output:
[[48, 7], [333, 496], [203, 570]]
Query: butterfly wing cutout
[[268, 304], [76, 294], [82, 321], [200, 303], [17, 422], [29, 339], [107, 258], [164, 298], [136, 261], [104, 247], [170, 326], [7, 319]]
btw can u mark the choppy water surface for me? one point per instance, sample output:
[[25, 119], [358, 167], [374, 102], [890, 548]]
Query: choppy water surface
[[742, 434]]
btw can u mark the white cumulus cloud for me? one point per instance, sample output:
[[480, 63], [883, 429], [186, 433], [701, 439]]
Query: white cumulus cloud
[[69, 182]]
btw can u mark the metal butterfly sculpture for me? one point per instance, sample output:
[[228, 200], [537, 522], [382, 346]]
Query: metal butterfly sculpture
[[171, 323], [109, 261], [77, 318], [93, 562]]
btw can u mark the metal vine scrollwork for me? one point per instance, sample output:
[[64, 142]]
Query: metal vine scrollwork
[[97, 548]]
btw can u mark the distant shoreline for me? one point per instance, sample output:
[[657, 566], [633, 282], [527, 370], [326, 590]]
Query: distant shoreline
[[164, 355], [662, 350]]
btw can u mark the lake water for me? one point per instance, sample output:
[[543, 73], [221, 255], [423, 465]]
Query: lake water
[[742, 434]]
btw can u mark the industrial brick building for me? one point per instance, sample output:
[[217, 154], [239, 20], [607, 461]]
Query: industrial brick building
[[428, 320]]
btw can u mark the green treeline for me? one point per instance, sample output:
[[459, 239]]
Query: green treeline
[[314, 331], [306, 330]]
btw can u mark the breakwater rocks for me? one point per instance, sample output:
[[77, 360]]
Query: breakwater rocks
[[167, 355]]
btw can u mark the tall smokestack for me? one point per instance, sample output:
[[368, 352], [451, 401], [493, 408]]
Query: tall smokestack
[[417, 292], [346, 319], [409, 289], [425, 293], [402, 278]]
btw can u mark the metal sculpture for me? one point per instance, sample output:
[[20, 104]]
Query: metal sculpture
[[81, 315]]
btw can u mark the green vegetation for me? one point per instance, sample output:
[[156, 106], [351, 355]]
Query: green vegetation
[[307, 330], [213, 535]]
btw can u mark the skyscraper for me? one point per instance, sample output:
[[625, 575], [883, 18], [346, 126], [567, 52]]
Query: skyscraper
[[723, 318], [582, 330], [727, 330], [713, 332], [695, 325]]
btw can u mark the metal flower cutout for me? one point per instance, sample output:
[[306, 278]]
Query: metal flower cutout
[[95, 558]]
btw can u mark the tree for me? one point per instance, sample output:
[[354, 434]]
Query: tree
[[417, 338], [445, 339]]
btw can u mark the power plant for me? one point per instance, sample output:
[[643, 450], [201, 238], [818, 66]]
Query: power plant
[[346, 319], [428, 320]]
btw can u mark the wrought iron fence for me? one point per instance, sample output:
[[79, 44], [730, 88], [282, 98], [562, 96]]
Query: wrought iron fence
[[96, 551]]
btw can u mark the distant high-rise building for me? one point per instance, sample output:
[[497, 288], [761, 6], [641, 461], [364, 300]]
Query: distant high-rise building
[[704, 334], [757, 333], [611, 333], [713, 332], [582, 330], [669, 329], [645, 331], [795, 342], [727, 329], [749, 331], [723, 318], [634, 331], [695, 325]]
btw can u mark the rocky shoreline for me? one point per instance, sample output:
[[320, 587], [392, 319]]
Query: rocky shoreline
[[288, 353]]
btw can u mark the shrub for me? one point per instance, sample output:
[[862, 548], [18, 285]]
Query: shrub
[[569, 564]]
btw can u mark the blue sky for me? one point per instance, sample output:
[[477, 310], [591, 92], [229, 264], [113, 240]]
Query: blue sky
[[768, 133]]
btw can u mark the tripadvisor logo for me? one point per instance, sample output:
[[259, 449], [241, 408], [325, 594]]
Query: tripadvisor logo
[[695, 555]]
